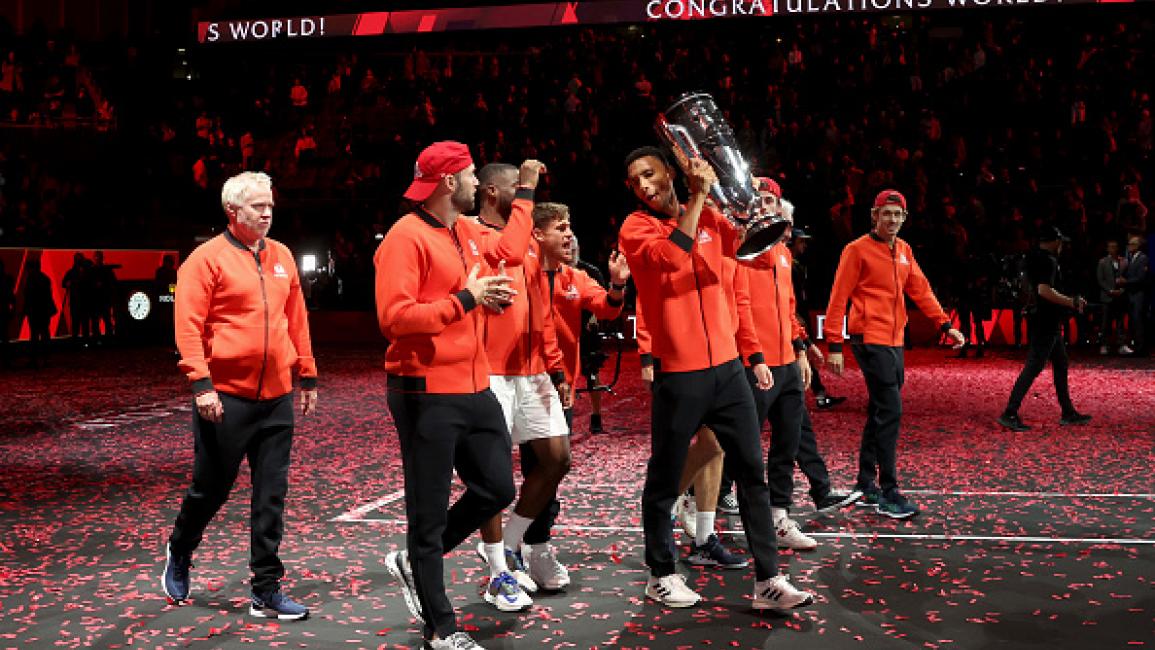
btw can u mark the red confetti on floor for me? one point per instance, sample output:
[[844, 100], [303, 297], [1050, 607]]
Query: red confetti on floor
[[1042, 538]]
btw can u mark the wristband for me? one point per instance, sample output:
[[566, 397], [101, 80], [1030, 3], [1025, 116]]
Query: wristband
[[618, 287]]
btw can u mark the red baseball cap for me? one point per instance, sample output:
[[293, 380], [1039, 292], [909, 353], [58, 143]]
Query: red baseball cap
[[890, 197], [769, 185], [435, 162]]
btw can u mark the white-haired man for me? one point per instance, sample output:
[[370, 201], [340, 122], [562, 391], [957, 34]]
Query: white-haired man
[[242, 331]]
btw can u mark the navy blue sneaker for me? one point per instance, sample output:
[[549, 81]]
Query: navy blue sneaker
[[274, 604], [713, 554], [896, 506], [175, 580]]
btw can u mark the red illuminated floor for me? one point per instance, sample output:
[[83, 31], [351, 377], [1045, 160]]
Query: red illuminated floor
[[95, 453]]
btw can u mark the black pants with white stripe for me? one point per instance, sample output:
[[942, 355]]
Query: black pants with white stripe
[[262, 431], [440, 433], [720, 398]]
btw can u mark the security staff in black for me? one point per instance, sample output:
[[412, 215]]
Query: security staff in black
[[1045, 324]]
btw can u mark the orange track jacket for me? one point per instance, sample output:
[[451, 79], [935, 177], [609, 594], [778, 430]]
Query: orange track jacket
[[765, 293], [574, 290], [522, 340], [423, 308], [681, 288], [873, 277], [241, 324]]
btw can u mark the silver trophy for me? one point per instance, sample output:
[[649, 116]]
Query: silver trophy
[[693, 127]]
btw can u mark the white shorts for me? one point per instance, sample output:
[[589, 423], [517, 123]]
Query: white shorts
[[531, 406]]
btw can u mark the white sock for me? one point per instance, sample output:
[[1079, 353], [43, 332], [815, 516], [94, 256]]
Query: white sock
[[495, 553], [515, 530], [705, 521], [777, 514]]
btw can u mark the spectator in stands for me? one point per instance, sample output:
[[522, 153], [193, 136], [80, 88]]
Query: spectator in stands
[[1135, 281]]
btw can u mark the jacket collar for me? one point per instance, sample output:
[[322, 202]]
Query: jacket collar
[[232, 239], [428, 217]]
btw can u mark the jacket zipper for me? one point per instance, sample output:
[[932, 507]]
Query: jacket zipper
[[265, 301], [465, 267], [779, 310], [898, 290], [702, 313]]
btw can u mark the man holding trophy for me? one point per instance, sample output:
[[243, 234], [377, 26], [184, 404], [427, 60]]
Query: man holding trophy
[[675, 254]]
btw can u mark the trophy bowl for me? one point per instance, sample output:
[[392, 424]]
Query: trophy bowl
[[694, 127]]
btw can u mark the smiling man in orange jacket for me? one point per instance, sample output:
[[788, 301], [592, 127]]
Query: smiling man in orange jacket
[[242, 329], [874, 273]]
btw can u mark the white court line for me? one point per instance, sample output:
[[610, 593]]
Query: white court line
[[357, 514], [854, 535], [1049, 495]]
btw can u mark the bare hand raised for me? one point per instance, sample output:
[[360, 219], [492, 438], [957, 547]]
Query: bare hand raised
[[530, 173]]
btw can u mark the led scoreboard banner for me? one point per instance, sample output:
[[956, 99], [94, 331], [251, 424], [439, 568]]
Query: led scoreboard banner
[[591, 12]]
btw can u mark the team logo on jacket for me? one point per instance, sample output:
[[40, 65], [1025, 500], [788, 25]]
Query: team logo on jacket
[[902, 259], [704, 236], [571, 293], [782, 260], [473, 248], [279, 271]]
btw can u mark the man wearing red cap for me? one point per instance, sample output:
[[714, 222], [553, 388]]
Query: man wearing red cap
[[873, 274], [428, 289]]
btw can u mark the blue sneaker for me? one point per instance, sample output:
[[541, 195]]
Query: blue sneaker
[[713, 554], [503, 592], [274, 604], [175, 580], [896, 506]]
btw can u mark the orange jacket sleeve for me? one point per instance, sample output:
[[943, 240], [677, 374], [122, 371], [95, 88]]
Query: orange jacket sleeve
[[510, 243], [748, 344], [918, 288], [194, 291], [595, 299], [646, 243], [644, 349], [845, 280], [399, 311]]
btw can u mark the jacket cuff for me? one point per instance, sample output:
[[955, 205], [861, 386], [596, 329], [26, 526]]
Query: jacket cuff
[[202, 386], [524, 193], [647, 360], [682, 240], [835, 348], [466, 299], [308, 383], [756, 359], [945, 327]]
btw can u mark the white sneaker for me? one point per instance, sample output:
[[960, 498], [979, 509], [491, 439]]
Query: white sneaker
[[1123, 349], [1104, 350], [503, 592], [544, 569], [514, 564], [778, 595], [455, 641], [686, 512], [671, 591], [791, 536], [397, 564]]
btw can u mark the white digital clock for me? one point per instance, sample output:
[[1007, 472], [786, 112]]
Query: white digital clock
[[139, 305]]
